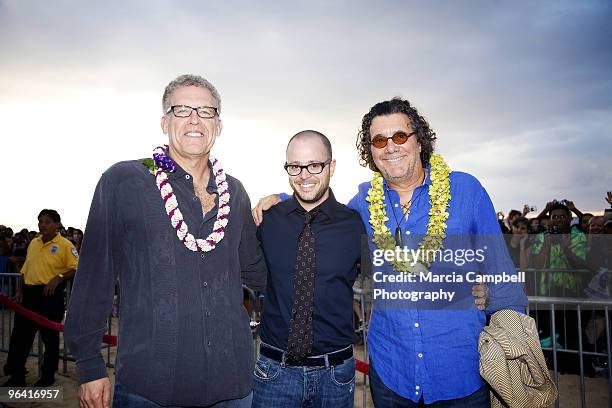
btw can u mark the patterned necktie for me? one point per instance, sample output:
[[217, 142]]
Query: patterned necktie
[[300, 325]]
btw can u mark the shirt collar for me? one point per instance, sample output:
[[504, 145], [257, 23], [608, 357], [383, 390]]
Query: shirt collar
[[327, 207], [180, 174], [54, 240]]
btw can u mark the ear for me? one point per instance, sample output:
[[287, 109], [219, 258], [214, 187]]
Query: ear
[[164, 124], [332, 167], [219, 127]]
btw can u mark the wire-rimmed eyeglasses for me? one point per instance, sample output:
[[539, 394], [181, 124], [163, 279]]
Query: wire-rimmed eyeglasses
[[399, 138]]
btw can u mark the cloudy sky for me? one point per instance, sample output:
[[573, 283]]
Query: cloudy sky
[[519, 93]]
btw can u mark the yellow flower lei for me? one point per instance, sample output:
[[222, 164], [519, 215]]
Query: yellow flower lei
[[439, 197]]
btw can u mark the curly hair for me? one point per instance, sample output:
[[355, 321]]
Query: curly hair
[[425, 136]]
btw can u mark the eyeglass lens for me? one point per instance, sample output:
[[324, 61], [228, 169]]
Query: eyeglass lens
[[313, 168], [184, 111], [398, 138]]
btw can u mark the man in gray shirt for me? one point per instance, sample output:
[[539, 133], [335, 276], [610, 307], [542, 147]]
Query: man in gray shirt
[[176, 232]]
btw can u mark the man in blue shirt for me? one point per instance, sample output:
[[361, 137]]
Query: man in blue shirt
[[312, 247], [424, 357], [417, 355]]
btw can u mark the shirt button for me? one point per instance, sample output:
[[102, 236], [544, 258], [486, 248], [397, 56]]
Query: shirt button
[[416, 392], [202, 256], [207, 314], [187, 176], [407, 232], [195, 198], [395, 205], [205, 284], [420, 355], [209, 343], [417, 387], [416, 325]]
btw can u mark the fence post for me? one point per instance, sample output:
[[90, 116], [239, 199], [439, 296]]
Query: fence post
[[609, 353], [553, 337], [581, 356]]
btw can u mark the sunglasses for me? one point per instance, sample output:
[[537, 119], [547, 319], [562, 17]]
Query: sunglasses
[[399, 138]]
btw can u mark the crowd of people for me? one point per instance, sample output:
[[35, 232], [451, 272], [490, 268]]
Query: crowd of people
[[14, 245], [566, 253], [559, 237]]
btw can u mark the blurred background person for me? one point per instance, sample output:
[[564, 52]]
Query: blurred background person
[[519, 244], [51, 259]]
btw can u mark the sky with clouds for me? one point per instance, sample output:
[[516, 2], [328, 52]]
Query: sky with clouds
[[519, 93]]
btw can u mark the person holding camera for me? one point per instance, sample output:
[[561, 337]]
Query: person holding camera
[[560, 251], [560, 248]]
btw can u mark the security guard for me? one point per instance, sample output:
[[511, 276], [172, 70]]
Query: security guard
[[50, 261]]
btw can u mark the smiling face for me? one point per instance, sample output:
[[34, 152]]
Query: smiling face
[[310, 189], [191, 137], [596, 225], [397, 163]]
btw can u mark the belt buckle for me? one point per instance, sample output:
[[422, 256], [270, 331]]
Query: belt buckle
[[292, 361]]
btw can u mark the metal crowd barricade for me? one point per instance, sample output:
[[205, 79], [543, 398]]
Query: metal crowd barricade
[[8, 285], [556, 304], [569, 305], [560, 305], [365, 319]]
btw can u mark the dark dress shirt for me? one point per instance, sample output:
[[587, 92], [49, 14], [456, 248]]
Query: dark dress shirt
[[184, 336], [337, 230]]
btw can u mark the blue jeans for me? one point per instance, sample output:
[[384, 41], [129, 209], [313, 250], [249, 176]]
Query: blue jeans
[[123, 398], [383, 397], [308, 387]]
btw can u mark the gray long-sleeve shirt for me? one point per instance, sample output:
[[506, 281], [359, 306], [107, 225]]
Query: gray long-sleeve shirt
[[184, 337]]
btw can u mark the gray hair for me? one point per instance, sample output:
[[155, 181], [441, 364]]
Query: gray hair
[[189, 80]]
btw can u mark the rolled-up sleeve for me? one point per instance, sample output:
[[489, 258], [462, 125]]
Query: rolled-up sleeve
[[92, 294]]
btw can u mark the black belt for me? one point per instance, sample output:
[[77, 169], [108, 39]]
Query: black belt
[[333, 359]]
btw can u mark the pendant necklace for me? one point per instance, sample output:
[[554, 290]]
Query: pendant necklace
[[398, 231]]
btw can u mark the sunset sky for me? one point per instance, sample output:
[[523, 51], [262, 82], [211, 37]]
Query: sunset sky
[[519, 93]]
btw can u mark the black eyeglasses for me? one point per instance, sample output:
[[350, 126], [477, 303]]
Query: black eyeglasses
[[184, 111], [399, 138], [313, 168]]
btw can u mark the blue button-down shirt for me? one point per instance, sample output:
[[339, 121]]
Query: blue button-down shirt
[[434, 353]]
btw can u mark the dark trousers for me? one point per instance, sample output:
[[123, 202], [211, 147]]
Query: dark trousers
[[24, 331]]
